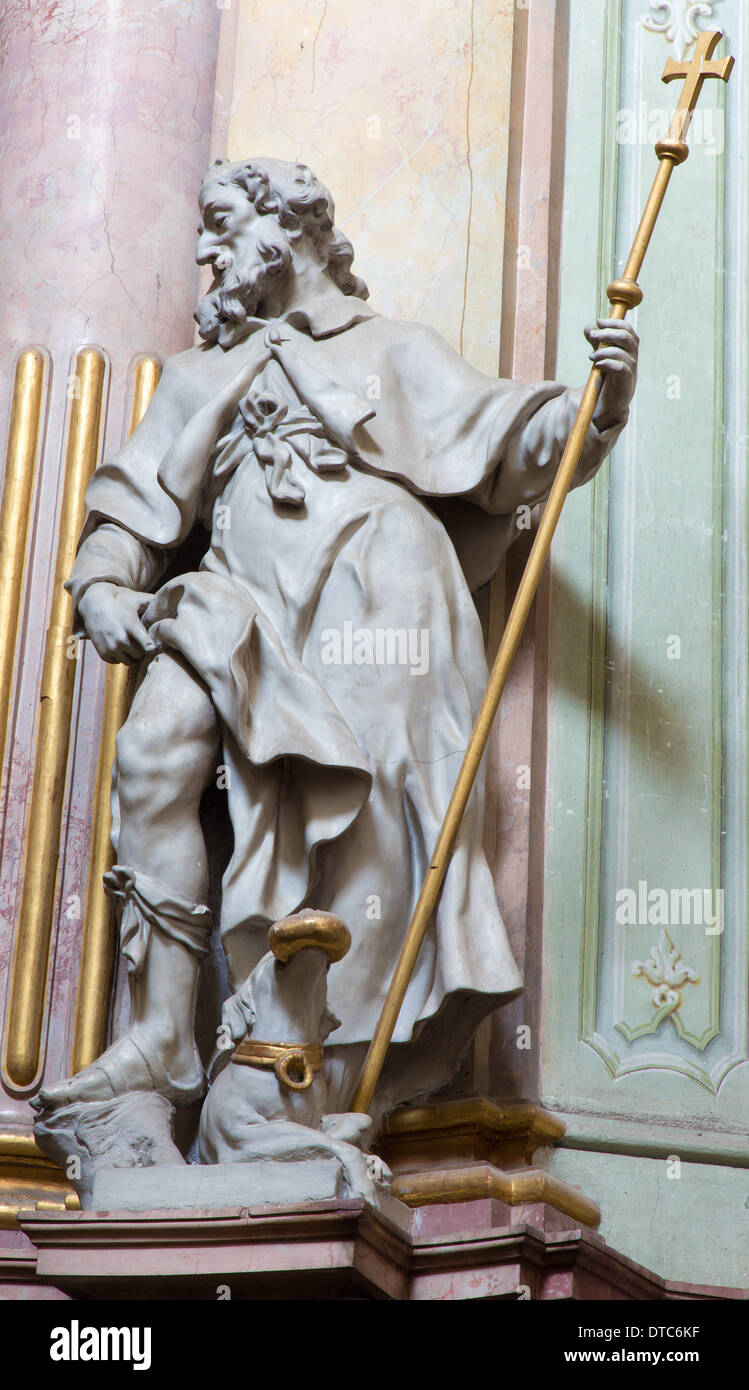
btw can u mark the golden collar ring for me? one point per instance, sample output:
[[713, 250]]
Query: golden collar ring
[[295, 1064]]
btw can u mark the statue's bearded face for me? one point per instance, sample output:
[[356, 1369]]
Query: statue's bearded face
[[248, 252]]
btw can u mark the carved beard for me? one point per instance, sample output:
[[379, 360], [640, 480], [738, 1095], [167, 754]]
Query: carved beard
[[240, 283]]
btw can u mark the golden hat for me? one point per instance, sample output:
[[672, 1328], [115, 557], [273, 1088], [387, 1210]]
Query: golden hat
[[309, 928]]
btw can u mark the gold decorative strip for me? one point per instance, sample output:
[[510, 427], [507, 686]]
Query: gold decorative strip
[[29, 1180], [21, 460], [477, 1181], [34, 931], [98, 948], [467, 1149]]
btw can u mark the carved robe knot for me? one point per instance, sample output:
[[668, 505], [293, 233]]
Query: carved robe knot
[[285, 440]]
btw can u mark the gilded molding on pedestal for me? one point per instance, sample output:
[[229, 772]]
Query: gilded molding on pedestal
[[469, 1149], [30, 1181], [98, 948], [34, 930], [481, 1180], [21, 460], [470, 1128]]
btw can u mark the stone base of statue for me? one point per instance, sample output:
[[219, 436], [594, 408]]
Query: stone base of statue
[[265, 1134], [478, 1218], [334, 1249], [128, 1133], [195, 1187], [120, 1155]]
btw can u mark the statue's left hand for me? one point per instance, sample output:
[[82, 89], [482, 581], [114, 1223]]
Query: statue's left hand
[[615, 348]]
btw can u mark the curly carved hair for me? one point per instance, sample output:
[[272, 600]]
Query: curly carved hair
[[303, 206]]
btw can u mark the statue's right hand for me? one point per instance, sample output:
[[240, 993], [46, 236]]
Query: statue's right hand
[[112, 618], [224, 405]]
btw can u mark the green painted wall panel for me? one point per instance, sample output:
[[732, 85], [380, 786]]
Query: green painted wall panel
[[686, 1222], [645, 1021]]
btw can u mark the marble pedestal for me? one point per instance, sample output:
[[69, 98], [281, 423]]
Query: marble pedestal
[[458, 1150], [337, 1249]]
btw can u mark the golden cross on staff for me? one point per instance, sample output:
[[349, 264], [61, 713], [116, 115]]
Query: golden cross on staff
[[695, 73], [623, 294]]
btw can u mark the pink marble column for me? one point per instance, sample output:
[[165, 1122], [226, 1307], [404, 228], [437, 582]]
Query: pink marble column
[[529, 327], [105, 129]]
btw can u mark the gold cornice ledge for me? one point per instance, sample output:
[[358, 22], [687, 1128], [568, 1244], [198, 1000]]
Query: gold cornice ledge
[[468, 1149], [29, 1180]]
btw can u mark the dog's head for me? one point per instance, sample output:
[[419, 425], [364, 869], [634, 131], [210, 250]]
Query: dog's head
[[309, 929], [285, 997]]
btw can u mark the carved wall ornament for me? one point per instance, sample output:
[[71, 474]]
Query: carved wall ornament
[[667, 972], [679, 24]]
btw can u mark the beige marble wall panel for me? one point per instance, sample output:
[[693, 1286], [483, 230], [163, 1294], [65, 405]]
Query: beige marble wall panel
[[437, 127], [402, 109]]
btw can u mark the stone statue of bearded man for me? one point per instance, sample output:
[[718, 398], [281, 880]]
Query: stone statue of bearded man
[[357, 481]]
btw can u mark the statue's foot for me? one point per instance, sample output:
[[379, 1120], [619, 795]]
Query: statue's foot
[[132, 1063]]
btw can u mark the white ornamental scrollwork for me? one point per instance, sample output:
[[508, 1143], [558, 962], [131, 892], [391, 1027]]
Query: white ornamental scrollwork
[[679, 24], [666, 971]]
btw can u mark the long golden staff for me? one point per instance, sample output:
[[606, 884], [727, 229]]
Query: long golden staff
[[623, 294]]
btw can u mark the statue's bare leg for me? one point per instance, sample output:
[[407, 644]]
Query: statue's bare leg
[[166, 754]]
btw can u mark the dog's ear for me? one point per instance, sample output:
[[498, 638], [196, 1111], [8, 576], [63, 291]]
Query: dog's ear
[[238, 1013], [328, 1023]]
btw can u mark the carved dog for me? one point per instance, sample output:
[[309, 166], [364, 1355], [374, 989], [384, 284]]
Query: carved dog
[[269, 1099]]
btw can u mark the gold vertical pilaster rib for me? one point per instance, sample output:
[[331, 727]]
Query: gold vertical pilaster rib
[[34, 930], [15, 510], [97, 951]]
